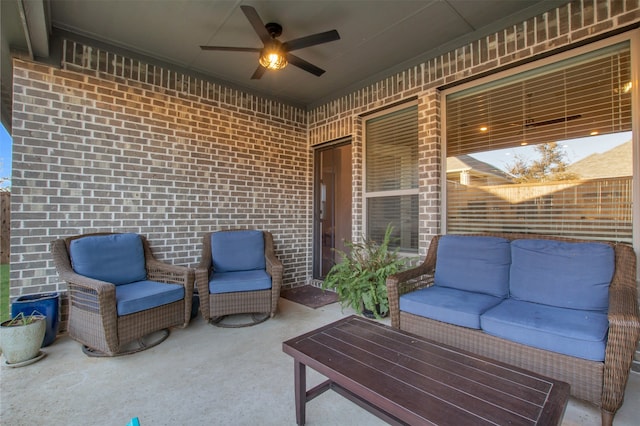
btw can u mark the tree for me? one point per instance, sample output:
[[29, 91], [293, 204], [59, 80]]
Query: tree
[[551, 166]]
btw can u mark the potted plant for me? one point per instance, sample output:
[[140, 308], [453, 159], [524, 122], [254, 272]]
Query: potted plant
[[21, 338], [360, 277], [47, 304]]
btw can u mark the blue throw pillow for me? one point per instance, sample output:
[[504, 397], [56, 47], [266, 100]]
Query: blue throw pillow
[[474, 263], [563, 274], [115, 258], [237, 250]]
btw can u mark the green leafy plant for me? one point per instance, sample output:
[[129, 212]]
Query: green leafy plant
[[22, 319], [360, 277]]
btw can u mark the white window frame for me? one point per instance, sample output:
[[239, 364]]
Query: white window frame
[[633, 37], [376, 194]]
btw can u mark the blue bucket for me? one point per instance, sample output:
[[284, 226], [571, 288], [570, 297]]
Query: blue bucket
[[48, 304]]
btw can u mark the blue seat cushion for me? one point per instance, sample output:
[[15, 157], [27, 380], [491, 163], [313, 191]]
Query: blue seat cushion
[[448, 305], [116, 258], [237, 250], [143, 295], [474, 263], [563, 274], [228, 282], [572, 332]]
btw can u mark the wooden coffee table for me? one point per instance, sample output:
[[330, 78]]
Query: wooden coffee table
[[408, 380]]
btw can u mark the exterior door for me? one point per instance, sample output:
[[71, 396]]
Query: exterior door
[[332, 201]]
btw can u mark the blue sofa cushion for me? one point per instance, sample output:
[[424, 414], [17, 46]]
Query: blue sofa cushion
[[116, 258], [448, 305], [237, 250], [143, 295], [474, 263], [572, 332], [562, 274], [228, 282]]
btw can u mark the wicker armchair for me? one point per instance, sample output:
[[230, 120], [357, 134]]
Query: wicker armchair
[[112, 319], [238, 273], [601, 383]]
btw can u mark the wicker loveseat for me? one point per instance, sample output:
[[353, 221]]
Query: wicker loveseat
[[601, 382]]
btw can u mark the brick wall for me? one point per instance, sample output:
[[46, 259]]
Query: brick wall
[[95, 150], [111, 143]]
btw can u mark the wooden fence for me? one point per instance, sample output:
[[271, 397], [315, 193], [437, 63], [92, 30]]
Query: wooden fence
[[590, 209], [5, 228]]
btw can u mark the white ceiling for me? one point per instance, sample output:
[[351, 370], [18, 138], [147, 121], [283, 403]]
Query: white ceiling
[[378, 38]]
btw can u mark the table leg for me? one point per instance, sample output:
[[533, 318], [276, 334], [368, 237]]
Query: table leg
[[300, 388]]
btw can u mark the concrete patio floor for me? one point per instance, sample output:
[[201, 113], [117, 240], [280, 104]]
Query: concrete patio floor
[[202, 375]]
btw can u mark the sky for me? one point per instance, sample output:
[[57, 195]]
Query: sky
[[5, 155], [575, 150]]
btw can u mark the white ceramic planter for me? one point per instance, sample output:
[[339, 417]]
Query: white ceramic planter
[[22, 343]]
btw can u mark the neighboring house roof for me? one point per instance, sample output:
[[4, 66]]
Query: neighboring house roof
[[467, 162], [613, 163]]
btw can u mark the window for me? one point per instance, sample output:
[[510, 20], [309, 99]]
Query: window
[[391, 178], [545, 151]]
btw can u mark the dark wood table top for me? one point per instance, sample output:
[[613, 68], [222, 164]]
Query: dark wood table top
[[421, 382]]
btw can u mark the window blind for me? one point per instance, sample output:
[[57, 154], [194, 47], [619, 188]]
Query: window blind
[[567, 100], [402, 213], [392, 151], [598, 209]]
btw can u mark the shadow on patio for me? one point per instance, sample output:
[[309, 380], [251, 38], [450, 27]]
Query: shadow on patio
[[202, 375]]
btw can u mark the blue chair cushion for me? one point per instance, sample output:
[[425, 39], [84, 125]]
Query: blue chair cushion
[[228, 282], [116, 258], [562, 274], [143, 295], [474, 263], [572, 332], [237, 250], [448, 305]]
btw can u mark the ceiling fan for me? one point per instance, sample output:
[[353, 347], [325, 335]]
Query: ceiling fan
[[275, 55]]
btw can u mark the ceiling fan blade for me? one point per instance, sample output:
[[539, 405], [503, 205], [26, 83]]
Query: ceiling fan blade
[[256, 22], [311, 40], [258, 73], [231, 49], [302, 64]]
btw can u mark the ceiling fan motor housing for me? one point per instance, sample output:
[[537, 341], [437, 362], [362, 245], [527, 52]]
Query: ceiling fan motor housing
[[274, 29]]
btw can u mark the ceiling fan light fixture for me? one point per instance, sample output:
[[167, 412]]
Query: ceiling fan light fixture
[[273, 57]]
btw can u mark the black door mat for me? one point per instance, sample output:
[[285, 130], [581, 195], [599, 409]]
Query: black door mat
[[310, 296]]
